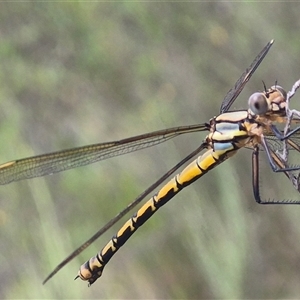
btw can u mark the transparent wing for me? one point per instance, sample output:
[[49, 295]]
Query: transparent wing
[[293, 143], [47, 164], [239, 85]]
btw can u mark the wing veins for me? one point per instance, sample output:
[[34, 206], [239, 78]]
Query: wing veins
[[59, 161], [244, 78]]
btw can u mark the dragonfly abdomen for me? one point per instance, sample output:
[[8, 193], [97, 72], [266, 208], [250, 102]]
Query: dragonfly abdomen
[[93, 268]]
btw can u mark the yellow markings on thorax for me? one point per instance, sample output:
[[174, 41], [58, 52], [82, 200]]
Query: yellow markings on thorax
[[255, 129], [232, 117], [228, 126]]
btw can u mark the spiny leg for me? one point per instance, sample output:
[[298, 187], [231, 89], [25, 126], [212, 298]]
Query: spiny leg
[[276, 167], [255, 178]]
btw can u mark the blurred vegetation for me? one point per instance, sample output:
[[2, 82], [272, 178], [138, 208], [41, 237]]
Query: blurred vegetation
[[80, 73]]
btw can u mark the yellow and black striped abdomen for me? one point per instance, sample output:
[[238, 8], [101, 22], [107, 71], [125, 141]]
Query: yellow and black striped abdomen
[[93, 268]]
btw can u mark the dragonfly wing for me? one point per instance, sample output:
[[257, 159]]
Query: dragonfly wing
[[293, 143], [55, 162], [239, 85]]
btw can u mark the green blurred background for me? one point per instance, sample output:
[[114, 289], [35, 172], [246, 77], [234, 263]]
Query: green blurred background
[[80, 73]]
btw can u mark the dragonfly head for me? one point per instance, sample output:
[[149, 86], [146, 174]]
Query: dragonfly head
[[270, 103]]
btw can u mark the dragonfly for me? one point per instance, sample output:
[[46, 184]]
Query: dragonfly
[[228, 132]]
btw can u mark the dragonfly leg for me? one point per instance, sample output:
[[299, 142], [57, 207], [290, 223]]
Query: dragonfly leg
[[287, 132], [281, 136], [275, 165], [255, 179], [284, 137]]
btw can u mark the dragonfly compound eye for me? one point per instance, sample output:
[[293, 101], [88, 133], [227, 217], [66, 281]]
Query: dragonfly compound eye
[[258, 103]]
